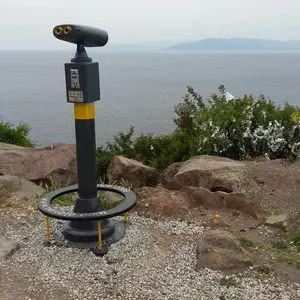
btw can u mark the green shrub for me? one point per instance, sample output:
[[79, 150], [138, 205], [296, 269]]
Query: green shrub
[[160, 151], [239, 128], [121, 145], [103, 159], [16, 136], [185, 111], [244, 127], [155, 151]]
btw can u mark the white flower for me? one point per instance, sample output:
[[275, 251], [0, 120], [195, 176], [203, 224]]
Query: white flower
[[266, 132], [247, 133]]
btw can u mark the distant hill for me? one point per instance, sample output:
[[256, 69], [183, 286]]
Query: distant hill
[[136, 47], [236, 44]]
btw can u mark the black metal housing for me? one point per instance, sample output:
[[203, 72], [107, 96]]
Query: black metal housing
[[83, 35], [82, 81]]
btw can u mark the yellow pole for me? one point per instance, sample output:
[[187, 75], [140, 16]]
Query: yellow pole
[[48, 228], [99, 236], [126, 217]]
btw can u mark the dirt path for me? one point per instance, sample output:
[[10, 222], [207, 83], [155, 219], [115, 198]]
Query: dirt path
[[280, 188]]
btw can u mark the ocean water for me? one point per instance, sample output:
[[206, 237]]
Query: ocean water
[[138, 89]]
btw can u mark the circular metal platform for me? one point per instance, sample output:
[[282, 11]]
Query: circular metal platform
[[45, 204]]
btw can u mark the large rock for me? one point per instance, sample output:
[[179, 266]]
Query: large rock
[[216, 200], [242, 203], [202, 196], [46, 165], [210, 172], [17, 188], [7, 247], [159, 202], [219, 250], [133, 171], [279, 221]]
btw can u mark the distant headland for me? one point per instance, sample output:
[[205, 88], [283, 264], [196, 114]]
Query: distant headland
[[236, 44]]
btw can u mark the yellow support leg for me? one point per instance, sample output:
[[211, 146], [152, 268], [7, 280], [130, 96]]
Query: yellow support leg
[[48, 229], [99, 236], [126, 217]]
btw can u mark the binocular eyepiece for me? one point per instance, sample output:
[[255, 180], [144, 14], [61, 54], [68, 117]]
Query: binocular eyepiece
[[81, 35]]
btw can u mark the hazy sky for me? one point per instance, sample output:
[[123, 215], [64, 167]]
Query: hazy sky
[[27, 24]]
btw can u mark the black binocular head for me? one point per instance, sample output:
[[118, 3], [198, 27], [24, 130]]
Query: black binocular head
[[81, 35]]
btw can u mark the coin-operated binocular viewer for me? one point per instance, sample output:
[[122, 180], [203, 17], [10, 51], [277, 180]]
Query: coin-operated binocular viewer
[[88, 225]]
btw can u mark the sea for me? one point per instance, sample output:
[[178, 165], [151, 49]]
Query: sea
[[137, 89]]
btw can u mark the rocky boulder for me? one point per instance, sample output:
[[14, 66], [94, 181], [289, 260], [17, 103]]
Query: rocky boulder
[[133, 171], [56, 163], [217, 200], [17, 188], [219, 250], [279, 221], [202, 196], [210, 172], [162, 203]]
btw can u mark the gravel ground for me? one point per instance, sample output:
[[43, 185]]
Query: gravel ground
[[152, 261]]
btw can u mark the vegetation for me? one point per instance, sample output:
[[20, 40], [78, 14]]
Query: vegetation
[[16, 136], [294, 230], [288, 245], [246, 242], [63, 200], [264, 269], [228, 282], [240, 128], [109, 199], [280, 245]]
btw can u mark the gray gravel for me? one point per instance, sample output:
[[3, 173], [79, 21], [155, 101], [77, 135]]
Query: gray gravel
[[150, 262]]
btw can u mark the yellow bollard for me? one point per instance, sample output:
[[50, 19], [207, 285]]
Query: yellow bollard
[[48, 228], [99, 236], [126, 217]]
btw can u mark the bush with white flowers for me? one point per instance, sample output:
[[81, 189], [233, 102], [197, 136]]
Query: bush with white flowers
[[245, 127]]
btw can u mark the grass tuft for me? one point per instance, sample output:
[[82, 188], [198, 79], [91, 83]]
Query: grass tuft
[[246, 242], [228, 282]]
